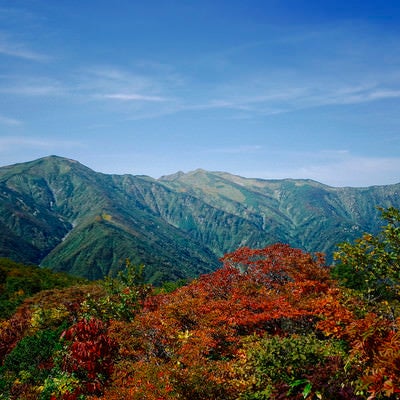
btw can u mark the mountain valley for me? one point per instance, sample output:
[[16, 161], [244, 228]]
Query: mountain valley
[[57, 213]]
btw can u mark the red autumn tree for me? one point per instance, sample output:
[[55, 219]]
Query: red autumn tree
[[193, 337], [89, 355]]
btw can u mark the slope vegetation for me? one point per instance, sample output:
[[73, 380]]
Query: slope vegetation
[[60, 214]]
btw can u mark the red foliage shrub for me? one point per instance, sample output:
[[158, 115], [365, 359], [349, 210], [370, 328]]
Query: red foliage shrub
[[89, 354], [12, 330]]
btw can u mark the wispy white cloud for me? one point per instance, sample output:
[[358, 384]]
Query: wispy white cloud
[[126, 91], [288, 99], [12, 48], [97, 83], [212, 104], [133, 97], [32, 86], [304, 67], [132, 93], [119, 83], [113, 84], [9, 121], [353, 95]]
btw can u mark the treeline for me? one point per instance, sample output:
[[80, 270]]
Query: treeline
[[272, 323]]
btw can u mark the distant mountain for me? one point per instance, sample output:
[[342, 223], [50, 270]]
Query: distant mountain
[[60, 214]]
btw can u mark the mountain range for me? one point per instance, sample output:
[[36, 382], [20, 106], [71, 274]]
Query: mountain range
[[60, 214]]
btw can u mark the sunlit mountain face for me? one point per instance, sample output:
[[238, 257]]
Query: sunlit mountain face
[[57, 213]]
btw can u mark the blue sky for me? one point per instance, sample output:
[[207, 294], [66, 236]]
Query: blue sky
[[267, 89]]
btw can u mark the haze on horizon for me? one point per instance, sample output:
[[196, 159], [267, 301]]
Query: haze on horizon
[[267, 89]]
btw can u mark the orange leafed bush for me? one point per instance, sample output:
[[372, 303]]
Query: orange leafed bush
[[195, 334], [271, 323]]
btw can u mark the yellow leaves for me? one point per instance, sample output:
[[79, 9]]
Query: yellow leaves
[[106, 217], [375, 344], [184, 336], [389, 388], [19, 293], [63, 384], [46, 318]]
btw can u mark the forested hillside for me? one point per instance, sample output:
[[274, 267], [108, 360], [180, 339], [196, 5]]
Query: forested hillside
[[271, 323], [59, 214]]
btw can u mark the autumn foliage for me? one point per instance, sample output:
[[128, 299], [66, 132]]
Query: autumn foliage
[[271, 323]]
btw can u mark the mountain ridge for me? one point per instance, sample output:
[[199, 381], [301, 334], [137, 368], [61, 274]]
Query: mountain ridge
[[58, 213]]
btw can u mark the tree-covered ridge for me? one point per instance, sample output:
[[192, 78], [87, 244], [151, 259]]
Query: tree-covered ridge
[[271, 323], [19, 281], [57, 213]]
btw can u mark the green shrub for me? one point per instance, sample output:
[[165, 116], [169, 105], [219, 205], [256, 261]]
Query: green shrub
[[18, 281], [28, 365], [31, 359], [371, 265], [284, 367]]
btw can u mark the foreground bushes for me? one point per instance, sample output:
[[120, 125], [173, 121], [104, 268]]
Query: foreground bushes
[[270, 324], [18, 281]]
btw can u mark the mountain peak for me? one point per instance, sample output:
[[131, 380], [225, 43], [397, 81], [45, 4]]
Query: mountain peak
[[63, 215], [172, 177]]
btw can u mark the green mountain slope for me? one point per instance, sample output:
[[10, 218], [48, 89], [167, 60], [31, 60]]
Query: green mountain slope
[[303, 213], [70, 218], [62, 215]]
